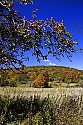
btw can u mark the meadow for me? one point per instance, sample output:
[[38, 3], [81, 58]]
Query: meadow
[[41, 106], [51, 97], [42, 92]]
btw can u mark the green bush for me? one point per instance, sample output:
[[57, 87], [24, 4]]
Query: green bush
[[13, 83]]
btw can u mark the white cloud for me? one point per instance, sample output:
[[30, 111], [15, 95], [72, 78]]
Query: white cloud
[[47, 60], [52, 64]]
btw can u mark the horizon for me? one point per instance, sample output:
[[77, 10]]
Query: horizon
[[50, 66]]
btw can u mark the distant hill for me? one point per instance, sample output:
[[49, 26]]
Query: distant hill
[[28, 74]]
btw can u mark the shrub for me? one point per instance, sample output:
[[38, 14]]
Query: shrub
[[80, 83], [13, 83]]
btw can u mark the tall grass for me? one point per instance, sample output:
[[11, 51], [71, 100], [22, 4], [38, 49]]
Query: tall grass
[[19, 106], [43, 92]]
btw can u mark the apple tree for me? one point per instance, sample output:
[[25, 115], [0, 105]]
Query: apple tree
[[19, 35]]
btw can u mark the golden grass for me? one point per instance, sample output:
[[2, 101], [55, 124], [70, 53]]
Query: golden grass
[[42, 92]]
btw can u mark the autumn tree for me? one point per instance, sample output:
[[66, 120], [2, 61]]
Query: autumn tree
[[42, 80], [19, 35]]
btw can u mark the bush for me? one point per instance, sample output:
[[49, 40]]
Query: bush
[[5, 83], [80, 83], [13, 83]]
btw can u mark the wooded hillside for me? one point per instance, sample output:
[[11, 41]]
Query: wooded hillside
[[40, 75]]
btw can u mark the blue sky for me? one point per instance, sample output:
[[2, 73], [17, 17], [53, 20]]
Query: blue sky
[[71, 12]]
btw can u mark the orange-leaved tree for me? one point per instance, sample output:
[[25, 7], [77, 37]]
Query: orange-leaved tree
[[42, 80]]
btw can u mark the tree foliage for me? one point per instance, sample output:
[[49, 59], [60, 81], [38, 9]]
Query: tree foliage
[[42, 80], [19, 35]]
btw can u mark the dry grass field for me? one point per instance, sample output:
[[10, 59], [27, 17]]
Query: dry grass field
[[42, 92], [54, 93]]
